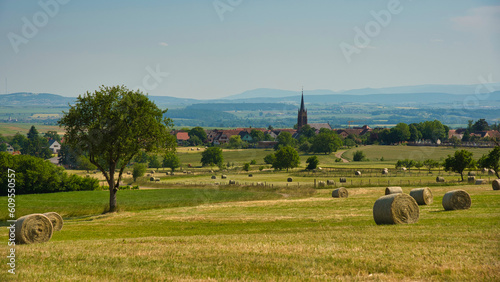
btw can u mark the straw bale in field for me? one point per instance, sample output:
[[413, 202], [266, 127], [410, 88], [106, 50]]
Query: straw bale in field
[[289, 179], [330, 182], [214, 177], [456, 200], [33, 228], [223, 176], [480, 181], [358, 173], [321, 184], [393, 190], [471, 173], [55, 219], [340, 193], [395, 209], [232, 182], [439, 179], [343, 180], [423, 196], [496, 184]]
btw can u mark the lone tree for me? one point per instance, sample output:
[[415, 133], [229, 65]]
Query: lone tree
[[212, 156], [459, 162], [312, 162], [286, 157], [111, 126], [171, 160]]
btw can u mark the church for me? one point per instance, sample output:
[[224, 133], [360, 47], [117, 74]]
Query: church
[[302, 118]]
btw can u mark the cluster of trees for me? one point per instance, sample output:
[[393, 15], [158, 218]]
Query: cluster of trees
[[325, 142], [428, 130], [35, 175], [34, 144], [458, 162], [285, 157]]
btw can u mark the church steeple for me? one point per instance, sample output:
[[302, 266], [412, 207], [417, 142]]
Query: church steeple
[[302, 116], [302, 108]]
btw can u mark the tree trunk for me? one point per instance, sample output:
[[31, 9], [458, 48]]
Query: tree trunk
[[112, 199], [112, 191]]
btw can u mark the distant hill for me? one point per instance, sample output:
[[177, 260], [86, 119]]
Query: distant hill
[[275, 93], [34, 99], [24, 99], [417, 89]]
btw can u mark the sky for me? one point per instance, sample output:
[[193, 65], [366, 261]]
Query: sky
[[216, 48]]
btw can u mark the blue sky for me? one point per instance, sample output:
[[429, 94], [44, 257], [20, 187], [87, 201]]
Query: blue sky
[[215, 48]]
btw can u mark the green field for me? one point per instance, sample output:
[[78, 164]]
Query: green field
[[268, 235], [10, 129]]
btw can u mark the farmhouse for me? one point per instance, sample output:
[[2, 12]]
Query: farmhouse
[[54, 146]]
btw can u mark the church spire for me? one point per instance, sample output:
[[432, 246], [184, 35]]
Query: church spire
[[302, 108]]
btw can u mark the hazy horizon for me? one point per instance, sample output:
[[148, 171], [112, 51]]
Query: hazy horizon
[[215, 49]]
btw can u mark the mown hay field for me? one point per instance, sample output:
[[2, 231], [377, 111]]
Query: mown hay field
[[281, 234]]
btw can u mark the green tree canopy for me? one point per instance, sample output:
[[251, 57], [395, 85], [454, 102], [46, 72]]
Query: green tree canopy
[[51, 134], [307, 131], [235, 142], [480, 125], [212, 156], [111, 126], [171, 160], [154, 162], [198, 132], [36, 145], [270, 159], [492, 160], [284, 139], [257, 135], [138, 171], [312, 162], [286, 157], [326, 142], [459, 162]]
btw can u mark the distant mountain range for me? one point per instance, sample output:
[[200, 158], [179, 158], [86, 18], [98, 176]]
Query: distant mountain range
[[405, 95], [430, 88]]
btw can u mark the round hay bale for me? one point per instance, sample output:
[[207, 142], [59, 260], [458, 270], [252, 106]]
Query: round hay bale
[[456, 200], [260, 184], [340, 193], [129, 173], [250, 175], [358, 173], [485, 170], [471, 173], [232, 182], [343, 180], [33, 228], [321, 184], [172, 173], [403, 169], [385, 171], [223, 176], [151, 179], [491, 172], [439, 179], [480, 181], [423, 196], [496, 184], [289, 179], [393, 190], [395, 209], [330, 182], [152, 172], [55, 219], [214, 177], [471, 179], [157, 179]]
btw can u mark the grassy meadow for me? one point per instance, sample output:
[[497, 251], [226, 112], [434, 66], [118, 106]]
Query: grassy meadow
[[191, 227], [272, 235]]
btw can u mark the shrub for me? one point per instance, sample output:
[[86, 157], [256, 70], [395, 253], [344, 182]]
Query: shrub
[[36, 175], [253, 162], [246, 167], [358, 156], [312, 162]]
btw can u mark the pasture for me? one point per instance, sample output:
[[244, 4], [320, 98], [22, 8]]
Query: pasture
[[189, 226], [268, 235]]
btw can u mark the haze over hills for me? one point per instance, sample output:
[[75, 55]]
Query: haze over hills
[[429, 88], [403, 95]]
